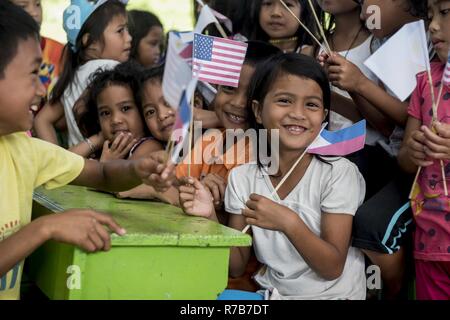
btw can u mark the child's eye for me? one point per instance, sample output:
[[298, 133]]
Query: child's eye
[[125, 108], [444, 12], [284, 101], [104, 113], [311, 105], [149, 113], [228, 89]]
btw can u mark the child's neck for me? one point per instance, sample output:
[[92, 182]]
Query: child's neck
[[287, 45], [349, 31], [286, 162]]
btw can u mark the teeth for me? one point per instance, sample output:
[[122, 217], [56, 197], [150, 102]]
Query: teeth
[[295, 129], [236, 118], [34, 108]]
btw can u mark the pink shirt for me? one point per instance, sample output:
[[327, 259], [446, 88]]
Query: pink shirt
[[430, 205]]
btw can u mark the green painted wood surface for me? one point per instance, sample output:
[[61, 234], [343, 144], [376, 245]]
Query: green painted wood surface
[[147, 223], [165, 254]]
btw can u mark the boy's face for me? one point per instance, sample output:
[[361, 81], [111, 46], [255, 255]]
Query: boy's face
[[439, 16], [20, 88], [230, 103], [392, 15], [32, 7]]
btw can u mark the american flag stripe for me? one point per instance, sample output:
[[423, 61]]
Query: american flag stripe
[[205, 68], [217, 60]]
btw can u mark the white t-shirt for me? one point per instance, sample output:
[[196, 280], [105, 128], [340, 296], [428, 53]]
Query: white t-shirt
[[357, 56], [337, 187], [74, 91]]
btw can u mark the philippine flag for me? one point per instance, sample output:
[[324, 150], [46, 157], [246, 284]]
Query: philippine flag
[[341, 142]]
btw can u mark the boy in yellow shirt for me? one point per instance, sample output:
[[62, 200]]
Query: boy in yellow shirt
[[26, 163]]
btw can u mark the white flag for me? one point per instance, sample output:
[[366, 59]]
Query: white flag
[[397, 62], [205, 18], [177, 73]]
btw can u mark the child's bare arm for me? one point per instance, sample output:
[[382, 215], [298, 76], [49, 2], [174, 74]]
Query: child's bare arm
[[84, 149], [239, 256], [123, 175], [347, 76], [345, 107], [45, 121], [83, 228]]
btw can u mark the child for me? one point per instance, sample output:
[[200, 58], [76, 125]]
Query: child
[[113, 111], [383, 223], [274, 24], [147, 33], [100, 41], [26, 163], [230, 108], [425, 148], [51, 49], [301, 234]]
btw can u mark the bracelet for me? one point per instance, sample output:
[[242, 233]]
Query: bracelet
[[91, 145]]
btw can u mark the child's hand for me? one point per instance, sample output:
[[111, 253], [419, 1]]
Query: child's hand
[[322, 58], [343, 74], [156, 172], [416, 149], [265, 213], [216, 185], [119, 149], [195, 198], [83, 228], [437, 144]]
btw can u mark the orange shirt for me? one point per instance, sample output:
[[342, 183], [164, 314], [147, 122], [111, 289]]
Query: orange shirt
[[208, 156]]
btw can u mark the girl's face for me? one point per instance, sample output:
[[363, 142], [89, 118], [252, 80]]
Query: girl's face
[[439, 16], [294, 106], [230, 103], [118, 113], [392, 16], [276, 21], [336, 7], [32, 7], [149, 49], [158, 114], [117, 43]]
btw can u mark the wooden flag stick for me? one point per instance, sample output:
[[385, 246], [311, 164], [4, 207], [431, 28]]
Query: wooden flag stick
[[191, 129], [306, 28], [319, 25]]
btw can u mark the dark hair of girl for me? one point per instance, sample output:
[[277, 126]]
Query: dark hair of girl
[[140, 24], [306, 17], [95, 26], [284, 64], [124, 75]]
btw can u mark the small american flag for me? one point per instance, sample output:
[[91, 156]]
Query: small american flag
[[446, 77], [218, 60]]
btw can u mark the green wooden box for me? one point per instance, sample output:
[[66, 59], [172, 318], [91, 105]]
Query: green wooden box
[[165, 254]]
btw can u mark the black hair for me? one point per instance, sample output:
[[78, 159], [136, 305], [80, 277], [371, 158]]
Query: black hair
[[237, 11], [259, 51], [418, 8], [153, 74], [15, 25], [284, 64], [306, 16], [140, 22], [126, 75], [95, 26]]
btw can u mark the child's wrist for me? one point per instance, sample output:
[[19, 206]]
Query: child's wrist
[[361, 85], [43, 228]]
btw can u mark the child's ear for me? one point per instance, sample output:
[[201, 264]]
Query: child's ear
[[85, 39], [257, 111], [325, 114]]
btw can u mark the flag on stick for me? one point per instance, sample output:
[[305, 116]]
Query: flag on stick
[[217, 60]]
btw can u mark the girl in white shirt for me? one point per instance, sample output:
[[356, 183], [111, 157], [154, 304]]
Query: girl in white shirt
[[302, 232]]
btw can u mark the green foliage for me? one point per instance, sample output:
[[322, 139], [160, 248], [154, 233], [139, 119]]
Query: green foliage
[[174, 14]]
